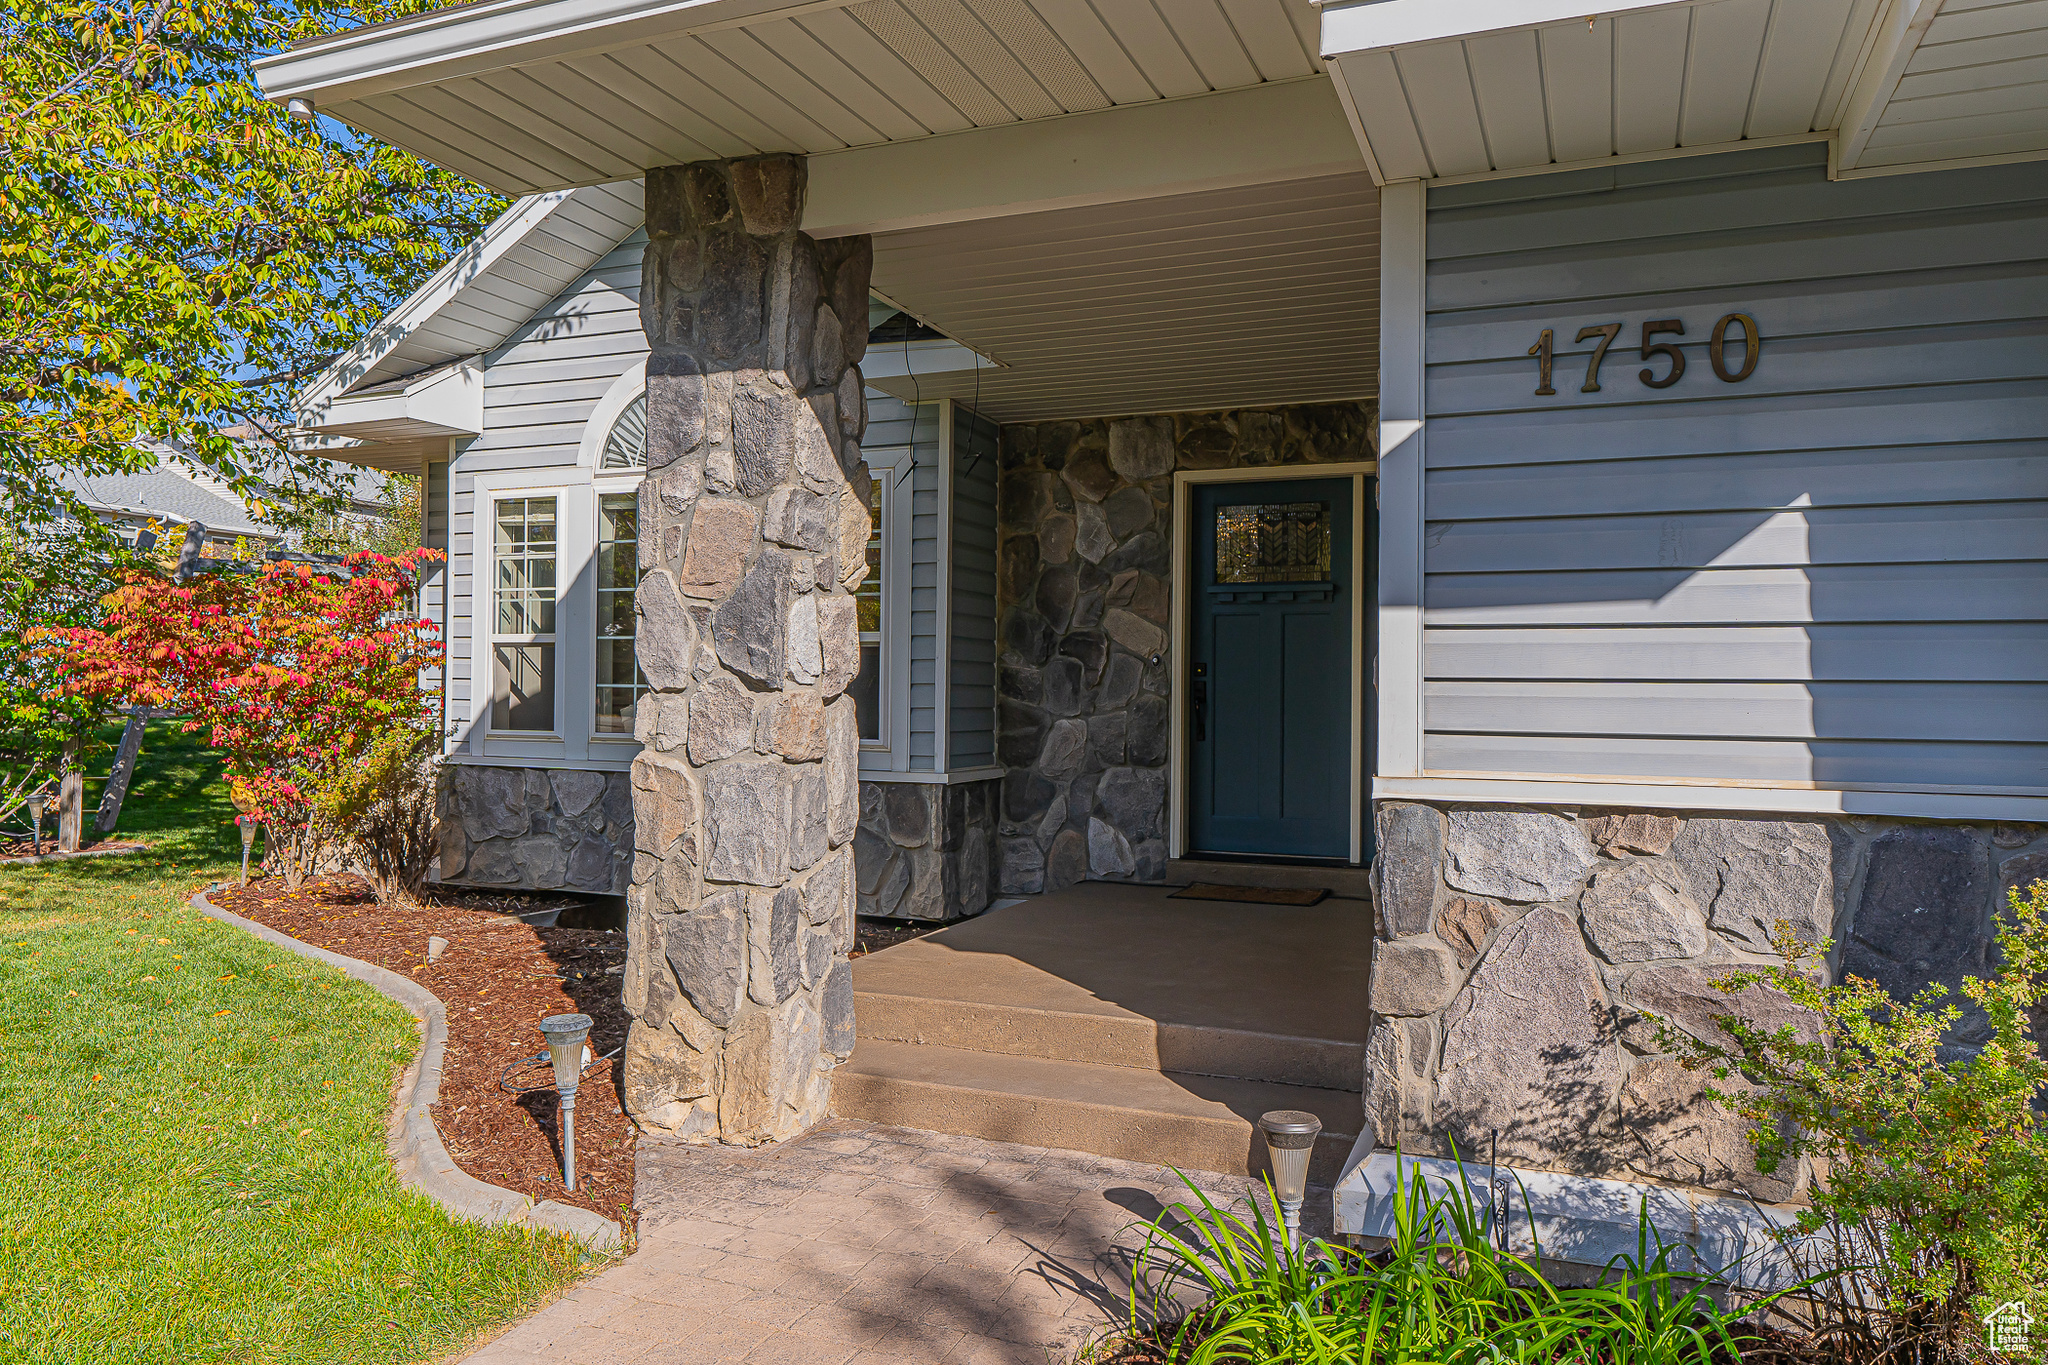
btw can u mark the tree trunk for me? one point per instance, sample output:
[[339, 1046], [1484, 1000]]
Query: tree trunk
[[123, 773]]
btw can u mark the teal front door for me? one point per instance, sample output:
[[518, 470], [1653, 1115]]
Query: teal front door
[[1270, 730]]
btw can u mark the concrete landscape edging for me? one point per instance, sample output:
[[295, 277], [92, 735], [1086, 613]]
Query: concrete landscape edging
[[411, 1138]]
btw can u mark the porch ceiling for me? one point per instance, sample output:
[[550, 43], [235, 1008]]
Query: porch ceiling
[[1446, 90], [1252, 296], [528, 95]]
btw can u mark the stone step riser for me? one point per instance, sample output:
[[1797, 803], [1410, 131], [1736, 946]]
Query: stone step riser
[[1139, 1043], [1230, 1147]]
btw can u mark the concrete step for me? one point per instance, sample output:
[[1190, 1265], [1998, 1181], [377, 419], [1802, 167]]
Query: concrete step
[[1200, 1123], [1106, 1039], [1351, 883]]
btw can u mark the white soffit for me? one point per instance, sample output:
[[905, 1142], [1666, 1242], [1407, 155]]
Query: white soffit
[[488, 289], [1445, 89], [1651, 78], [1248, 296], [1975, 86], [531, 95]]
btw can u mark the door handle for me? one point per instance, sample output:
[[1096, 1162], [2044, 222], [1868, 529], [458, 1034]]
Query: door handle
[[1198, 697]]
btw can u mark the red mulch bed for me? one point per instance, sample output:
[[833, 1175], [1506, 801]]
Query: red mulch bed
[[498, 978], [873, 935]]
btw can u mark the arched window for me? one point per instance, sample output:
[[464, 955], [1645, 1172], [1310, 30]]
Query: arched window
[[615, 451], [625, 445]]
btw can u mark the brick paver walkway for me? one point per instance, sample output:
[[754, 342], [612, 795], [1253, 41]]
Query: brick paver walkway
[[860, 1243]]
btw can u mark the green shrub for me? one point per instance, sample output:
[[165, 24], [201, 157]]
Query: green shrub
[[1440, 1292], [1932, 1204]]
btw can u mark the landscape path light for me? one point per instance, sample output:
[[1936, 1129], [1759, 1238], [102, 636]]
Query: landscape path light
[[1290, 1140], [566, 1034], [36, 801], [248, 825]]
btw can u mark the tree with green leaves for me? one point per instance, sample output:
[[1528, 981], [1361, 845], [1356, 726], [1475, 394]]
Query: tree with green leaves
[[177, 254]]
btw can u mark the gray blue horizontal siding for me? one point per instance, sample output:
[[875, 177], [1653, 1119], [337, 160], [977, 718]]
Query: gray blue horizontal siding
[[971, 729], [1834, 572], [434, 536], [540, 388], [969, 691]]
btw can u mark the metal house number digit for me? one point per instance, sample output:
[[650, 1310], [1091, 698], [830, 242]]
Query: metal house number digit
[[1607, 334], [1717, 355], [1717, 352], [1542, 351]]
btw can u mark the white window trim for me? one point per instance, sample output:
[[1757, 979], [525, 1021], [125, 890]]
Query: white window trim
[[611, 483], [891, 754], [617, 399], [484, 612], [628, 386]]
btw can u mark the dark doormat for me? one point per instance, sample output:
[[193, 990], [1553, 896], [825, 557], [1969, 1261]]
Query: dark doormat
[[1251, 895]]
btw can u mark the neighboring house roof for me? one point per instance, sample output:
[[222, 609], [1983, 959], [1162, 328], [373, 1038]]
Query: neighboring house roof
[[176, 494], [473, 304], [170, 494]]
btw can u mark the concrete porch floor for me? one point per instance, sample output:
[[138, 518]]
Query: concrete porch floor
[[1112, 1019]]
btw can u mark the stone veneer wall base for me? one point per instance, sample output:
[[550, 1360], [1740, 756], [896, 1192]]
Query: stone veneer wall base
[[924, 849], [1527, 959], [541, 829]]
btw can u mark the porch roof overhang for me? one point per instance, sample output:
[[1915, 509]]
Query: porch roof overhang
[[532, 95], [1128, 208], [1447, 92]]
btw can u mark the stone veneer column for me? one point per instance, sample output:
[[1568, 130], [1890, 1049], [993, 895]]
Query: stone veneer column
[[753, 537]]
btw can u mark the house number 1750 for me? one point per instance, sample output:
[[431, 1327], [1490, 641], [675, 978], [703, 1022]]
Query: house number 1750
[[1654, 352]]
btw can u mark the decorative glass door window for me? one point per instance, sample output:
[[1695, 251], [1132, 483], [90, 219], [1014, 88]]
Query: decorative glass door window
[[523, 620], [1273, 542], [619, 681], [867, 686]]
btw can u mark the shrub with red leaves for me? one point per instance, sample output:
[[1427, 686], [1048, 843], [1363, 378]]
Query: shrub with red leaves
[[296, 671]]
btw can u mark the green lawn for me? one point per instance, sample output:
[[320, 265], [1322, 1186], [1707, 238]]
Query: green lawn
[[192, 1159]]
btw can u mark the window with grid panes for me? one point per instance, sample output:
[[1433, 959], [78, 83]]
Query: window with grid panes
[[619, 681], [525, 549], [866, 688]]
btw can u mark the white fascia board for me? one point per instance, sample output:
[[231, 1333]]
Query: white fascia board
[[1369, 25], [1255, 135], [461, 270], [444, 402], [466, 40], [922, 360], [1652, 794], [1900, 28]]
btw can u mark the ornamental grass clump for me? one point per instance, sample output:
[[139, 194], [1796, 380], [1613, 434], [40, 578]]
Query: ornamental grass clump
[[1441, 1292], [1931, 1209]]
